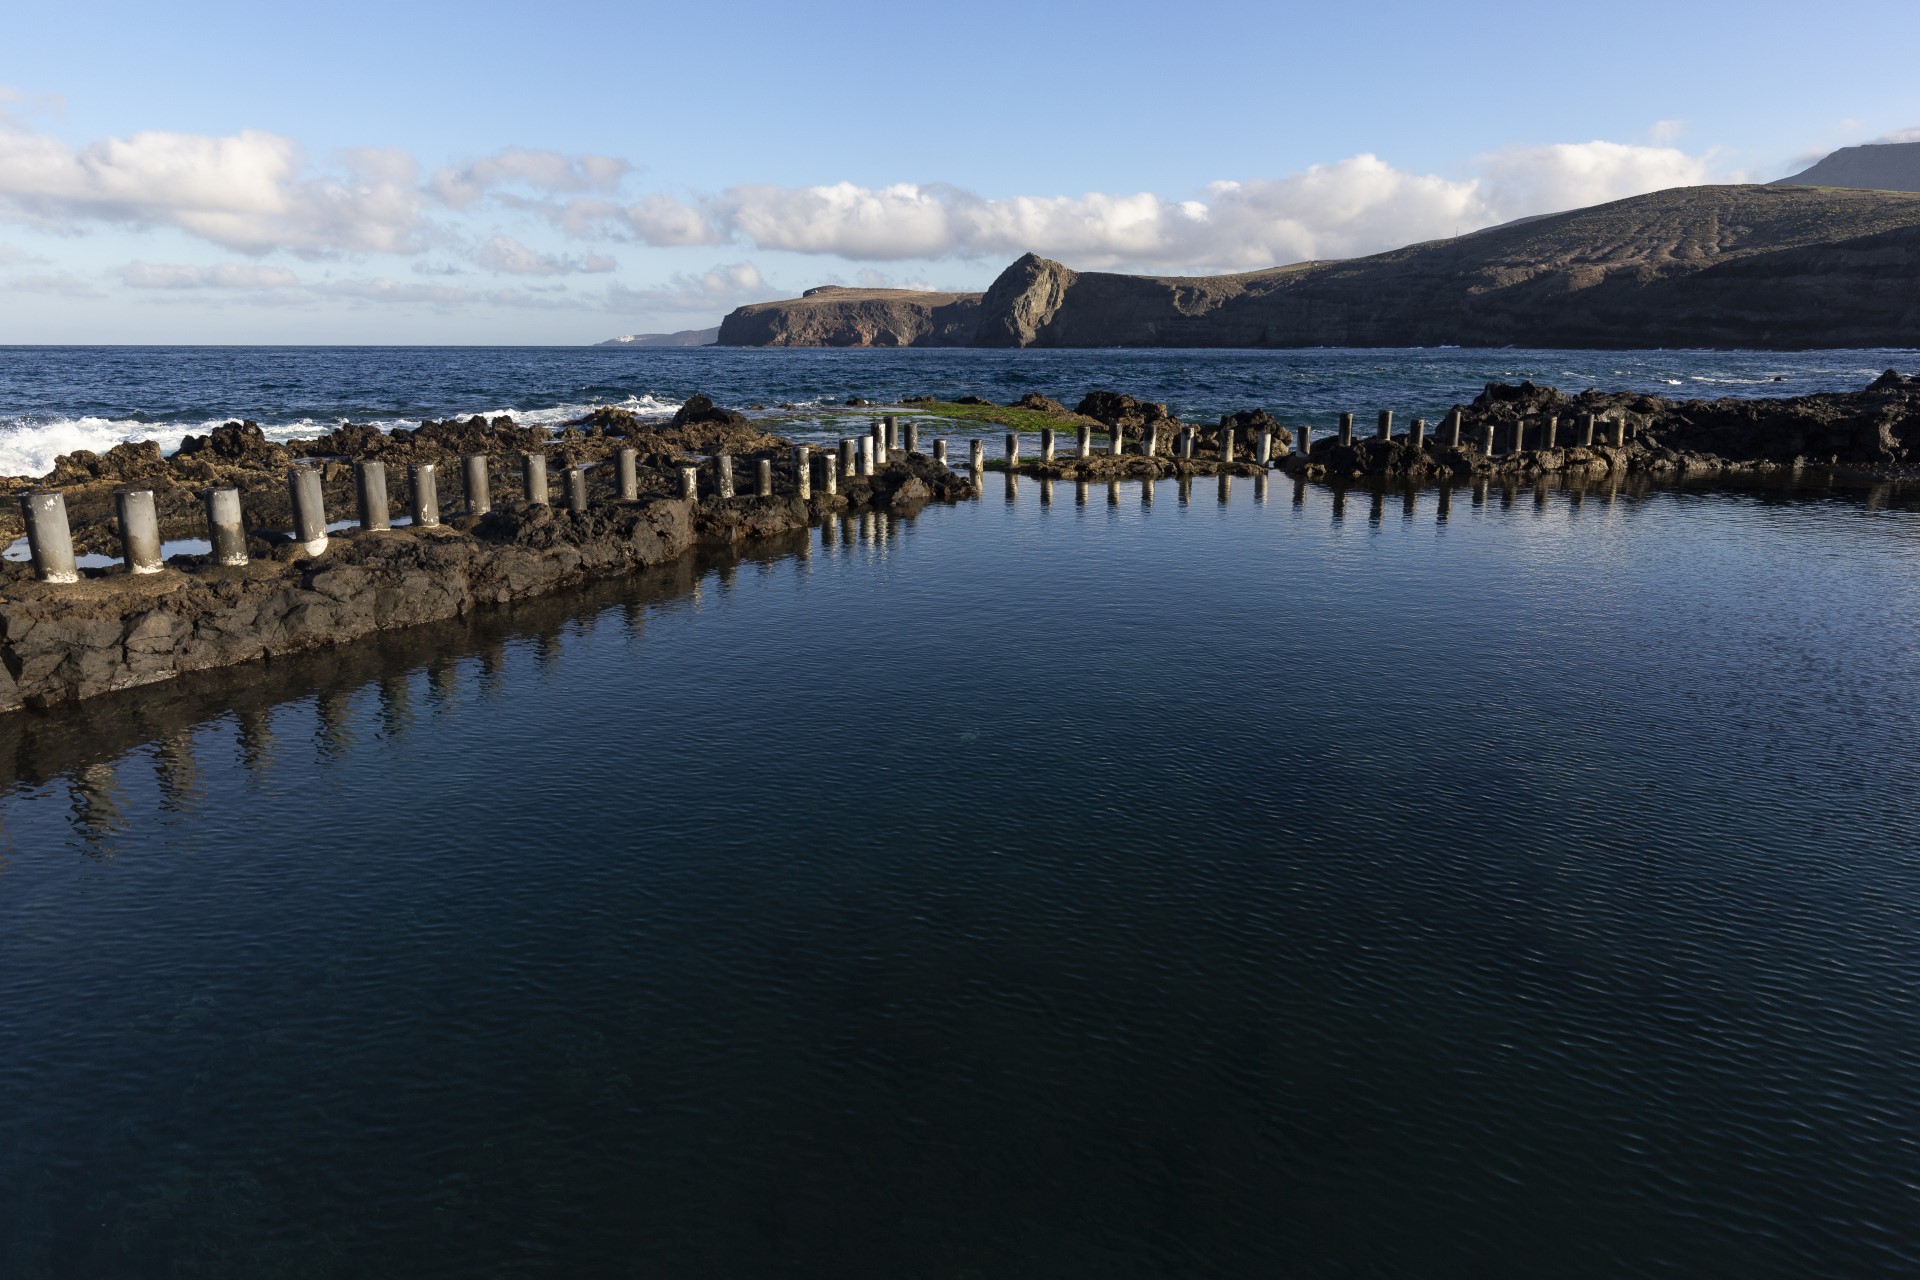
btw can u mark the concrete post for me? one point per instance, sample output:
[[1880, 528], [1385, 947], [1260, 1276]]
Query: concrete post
[[1385, 431], [1116, 441], [1620, 433], [892, 424], [1086, 441], [690, 483], [1586, 431], [803, 471], [1263, 448], [1346, 429], [1519, 434], [1046, 444], [577, 490], [424, 504], [1150, 442], [309, 509], [1226, 444], [1552, 432], [533, 477], [829, 476], [723, 483], [913, 437], [139, 529], [866, 446], [1450, 430], [940, 452], [879, 445], [224, 528], [848, 462], [1486, 439], [1417, 433], [1013, 449], [763, 478], [977, 455], [1306, 442], [49, 537], [1186, 443], [479, 492], [626, 467], [370, 488]]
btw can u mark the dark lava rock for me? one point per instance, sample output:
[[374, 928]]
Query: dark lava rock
[[233, 443], [1249, 423], [1038, 403], [700, 409]]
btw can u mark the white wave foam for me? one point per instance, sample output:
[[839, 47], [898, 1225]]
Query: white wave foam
[[28, 448]]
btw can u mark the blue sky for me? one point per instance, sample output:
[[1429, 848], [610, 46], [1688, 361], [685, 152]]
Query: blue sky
[[494, 173]]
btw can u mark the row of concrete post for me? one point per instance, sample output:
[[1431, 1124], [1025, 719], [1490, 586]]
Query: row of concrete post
[[1449, 434]]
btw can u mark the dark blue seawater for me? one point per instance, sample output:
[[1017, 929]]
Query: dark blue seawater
[[57, 399], [1255, 883]]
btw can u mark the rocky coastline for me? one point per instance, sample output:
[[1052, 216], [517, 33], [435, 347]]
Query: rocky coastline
[[112, 629]]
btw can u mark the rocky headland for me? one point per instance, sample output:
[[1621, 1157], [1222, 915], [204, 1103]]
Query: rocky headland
[[1771, 267]]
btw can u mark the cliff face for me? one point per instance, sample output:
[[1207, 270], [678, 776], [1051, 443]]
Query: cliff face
[[831, 316], [1742, 266]]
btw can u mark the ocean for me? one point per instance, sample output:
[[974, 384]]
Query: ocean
[[54, 400], [1220, 879]]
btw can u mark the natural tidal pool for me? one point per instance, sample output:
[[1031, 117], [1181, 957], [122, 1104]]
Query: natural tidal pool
[[1253, 882]]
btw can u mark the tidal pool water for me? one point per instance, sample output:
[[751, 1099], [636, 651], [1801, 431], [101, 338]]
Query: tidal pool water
[[1255, 884]]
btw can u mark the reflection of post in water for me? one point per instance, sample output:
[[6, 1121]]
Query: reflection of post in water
[[1046, 491], [1339, 503], [493, 663], [866, 528], [1013, 485], [1540, 494], [882, 529], [396, 704], [1080, 490], [1613, 488], [1576, 494], [829, 532], [1409, 504], [94, 806], [1299, 491], [255, 738], [1506, 496], [1113, 493], [176, 772], [633, 615], [546, 642], [1186, 490], [1260, 490], [727, 572], [1377, 511], [1226, 488], [334, 736], [1480, 493], [1146, 491], [1446, 504], [1877, 496]]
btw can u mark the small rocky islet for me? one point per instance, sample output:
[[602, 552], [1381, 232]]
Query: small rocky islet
[[61, 642]]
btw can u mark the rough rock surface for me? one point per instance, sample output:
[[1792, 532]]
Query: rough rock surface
[[831, 316]]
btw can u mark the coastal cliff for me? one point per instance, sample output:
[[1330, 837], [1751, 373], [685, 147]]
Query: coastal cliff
[[832, 316], [1779, 267]]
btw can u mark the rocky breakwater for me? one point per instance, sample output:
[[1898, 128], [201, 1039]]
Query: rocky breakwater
[[1129, 439], [1526, 431], [115, 629]]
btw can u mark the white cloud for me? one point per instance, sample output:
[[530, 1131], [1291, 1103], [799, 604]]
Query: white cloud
[[224, 275], [507, 255], [536, 170], [1356, 206], [718, 289], [1666, 131], [1898, 135], [59, 283], [247, 192], [13, 256]]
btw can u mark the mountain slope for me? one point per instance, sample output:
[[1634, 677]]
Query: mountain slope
[[1877, 166], [1751, 266]]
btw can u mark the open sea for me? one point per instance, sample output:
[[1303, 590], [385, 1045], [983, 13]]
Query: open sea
[[1136, 881]]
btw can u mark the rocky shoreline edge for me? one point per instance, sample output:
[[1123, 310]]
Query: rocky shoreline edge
[[672, 486]]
